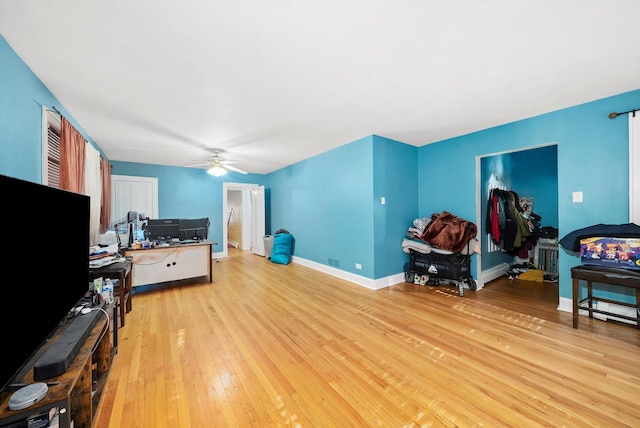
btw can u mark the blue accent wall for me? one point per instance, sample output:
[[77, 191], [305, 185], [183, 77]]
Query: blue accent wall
[[535, 174], [189, 192], [592, 157], [326, 203], [331, 202], [395, 177], [22, 96]]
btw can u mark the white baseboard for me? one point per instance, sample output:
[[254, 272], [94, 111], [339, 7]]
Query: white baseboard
[[492, 273], [616, 309], [372, 284], [566, 305]]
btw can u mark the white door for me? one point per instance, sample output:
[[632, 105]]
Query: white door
[[130, 193], [257, 214]]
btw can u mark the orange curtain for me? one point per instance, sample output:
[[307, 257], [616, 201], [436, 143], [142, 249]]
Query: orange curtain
[[105, 205], [72, 146]]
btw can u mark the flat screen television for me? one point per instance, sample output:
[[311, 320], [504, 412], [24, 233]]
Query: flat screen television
[[162, 229], [196, 229], [48, 230]]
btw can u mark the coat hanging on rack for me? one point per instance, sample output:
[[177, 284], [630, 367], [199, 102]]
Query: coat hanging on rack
[[505, 222]]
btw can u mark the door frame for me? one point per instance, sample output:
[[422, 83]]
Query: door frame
[[482, 235], [634, 168], [247, 215]]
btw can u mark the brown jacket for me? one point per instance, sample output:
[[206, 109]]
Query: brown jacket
[[449, 232]]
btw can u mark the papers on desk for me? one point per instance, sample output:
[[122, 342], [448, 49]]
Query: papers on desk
[[103, 256], [96, 250], [103, 261]]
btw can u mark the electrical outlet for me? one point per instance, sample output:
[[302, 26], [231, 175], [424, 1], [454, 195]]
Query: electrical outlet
[[358, 266], [383, 200]]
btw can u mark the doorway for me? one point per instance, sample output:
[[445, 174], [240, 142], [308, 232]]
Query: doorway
[[529, 172], [247, 202]]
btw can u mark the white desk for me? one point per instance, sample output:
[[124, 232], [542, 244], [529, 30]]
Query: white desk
[[172, 263]]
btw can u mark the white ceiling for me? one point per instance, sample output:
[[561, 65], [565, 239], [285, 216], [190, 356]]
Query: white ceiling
[[275, 82]]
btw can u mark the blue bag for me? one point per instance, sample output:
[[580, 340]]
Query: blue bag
[[281, 252]]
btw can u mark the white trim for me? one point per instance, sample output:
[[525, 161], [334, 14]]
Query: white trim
[[566, 305], [217, 255], [226, 186], [482, 278], [372, 284], [634, 168], [257, 218], [492, 273], [613, 308]]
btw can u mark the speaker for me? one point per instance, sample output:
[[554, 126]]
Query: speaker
[[28, 396]]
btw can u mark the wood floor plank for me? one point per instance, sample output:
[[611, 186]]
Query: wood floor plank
[[287, 346]]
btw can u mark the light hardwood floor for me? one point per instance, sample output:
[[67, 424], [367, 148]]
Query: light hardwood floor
[[268, 345]]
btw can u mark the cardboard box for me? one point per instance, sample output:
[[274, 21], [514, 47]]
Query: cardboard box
[[611, 252]]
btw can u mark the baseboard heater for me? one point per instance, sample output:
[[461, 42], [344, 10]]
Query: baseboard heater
[[62, 351]]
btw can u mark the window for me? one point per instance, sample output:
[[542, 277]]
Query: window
[[50, 148]]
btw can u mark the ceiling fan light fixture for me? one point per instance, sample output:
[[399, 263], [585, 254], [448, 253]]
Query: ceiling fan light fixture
[[217, 171]]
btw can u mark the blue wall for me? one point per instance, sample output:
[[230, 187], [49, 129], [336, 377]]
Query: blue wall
[[22, 96], [535, 174], [331, 203], [593, 157], [188, 192], [326, 202], [395, 177]]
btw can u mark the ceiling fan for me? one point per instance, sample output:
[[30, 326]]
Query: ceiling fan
[[218, 166]]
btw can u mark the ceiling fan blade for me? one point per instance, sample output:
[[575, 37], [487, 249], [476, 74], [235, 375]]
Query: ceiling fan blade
[[233, 168], [197, 165]]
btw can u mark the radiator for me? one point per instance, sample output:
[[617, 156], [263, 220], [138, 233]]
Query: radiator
[[546, 255]]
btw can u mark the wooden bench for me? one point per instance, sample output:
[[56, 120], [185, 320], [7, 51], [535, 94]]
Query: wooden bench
[[604, 275]]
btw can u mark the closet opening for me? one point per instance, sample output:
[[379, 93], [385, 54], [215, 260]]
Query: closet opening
[[531, 176]]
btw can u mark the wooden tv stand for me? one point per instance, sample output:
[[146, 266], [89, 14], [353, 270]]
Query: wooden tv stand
[[170, 263], [72, 400]]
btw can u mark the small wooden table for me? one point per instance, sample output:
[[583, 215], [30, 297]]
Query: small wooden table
[[604, 275], [120, 270]]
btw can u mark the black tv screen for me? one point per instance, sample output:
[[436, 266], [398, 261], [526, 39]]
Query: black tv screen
[[48, 229]]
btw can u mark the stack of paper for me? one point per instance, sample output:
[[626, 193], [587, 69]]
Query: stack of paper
[[102, 261]]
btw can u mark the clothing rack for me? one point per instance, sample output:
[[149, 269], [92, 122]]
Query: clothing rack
[[495, 183]]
